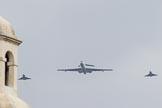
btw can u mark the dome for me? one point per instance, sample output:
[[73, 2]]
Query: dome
[[8, 101], [6, 29]]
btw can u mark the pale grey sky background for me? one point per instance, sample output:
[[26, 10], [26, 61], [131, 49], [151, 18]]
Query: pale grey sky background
[[125, 35]]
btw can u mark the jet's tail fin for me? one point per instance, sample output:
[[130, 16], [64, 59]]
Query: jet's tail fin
[[150, 72]]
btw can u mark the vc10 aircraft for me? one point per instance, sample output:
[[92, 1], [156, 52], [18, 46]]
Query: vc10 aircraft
[[83, 69]]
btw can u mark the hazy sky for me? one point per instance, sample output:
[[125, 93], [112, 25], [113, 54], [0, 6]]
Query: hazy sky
[[125, 35]]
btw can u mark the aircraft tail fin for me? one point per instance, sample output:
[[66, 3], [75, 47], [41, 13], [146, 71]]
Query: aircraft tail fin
[[150, 72]]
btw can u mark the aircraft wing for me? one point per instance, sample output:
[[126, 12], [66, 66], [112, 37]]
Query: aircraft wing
[[75, 69], [20, 78], [155, 75], [147, 75], [151, 75], [28, 78], [91, 69]]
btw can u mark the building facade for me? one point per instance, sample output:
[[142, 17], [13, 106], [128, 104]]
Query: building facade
[[8, 67]]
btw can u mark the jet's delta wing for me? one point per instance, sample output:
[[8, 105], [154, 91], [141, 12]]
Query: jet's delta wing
[[27, 78], [20, 78]]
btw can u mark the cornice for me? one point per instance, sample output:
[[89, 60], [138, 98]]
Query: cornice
[[10, 39]]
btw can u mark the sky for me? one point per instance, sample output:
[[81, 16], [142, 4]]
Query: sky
[[124, 35]]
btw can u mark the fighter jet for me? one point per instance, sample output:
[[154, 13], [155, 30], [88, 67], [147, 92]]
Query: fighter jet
[[83, 69], [150, 74], [24, 78]]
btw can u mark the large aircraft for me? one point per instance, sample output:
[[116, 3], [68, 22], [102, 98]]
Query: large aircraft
[[83, 69], [24, 78], [150, 74]]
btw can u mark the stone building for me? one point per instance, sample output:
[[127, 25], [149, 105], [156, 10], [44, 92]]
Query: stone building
[[8, 67]]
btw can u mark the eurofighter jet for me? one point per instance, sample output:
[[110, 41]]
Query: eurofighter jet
[[83, 69], [150, 74], [24, 78]]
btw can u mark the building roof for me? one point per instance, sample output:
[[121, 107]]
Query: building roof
[[6, 28]]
